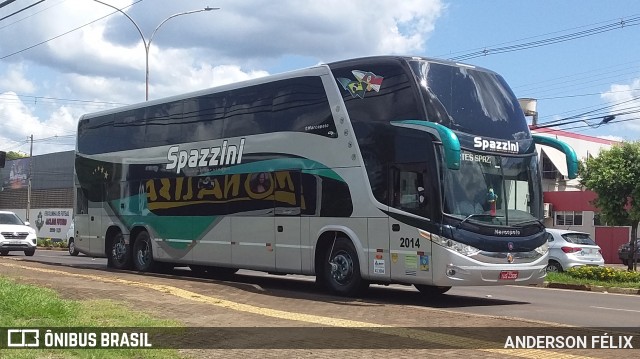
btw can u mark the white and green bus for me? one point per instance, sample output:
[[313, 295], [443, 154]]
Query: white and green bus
[[374, 170]]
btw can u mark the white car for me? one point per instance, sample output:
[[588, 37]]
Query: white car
[[16, 235], [70, 240], [568, 249]]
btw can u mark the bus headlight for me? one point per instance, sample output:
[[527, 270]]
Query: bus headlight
[[461, 248], [543, 249]]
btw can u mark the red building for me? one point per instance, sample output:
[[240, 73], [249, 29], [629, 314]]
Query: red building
[[567, 204]]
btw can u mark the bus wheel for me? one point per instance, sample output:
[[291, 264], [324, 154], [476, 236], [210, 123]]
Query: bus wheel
[[118, 255], [72, 248], [431, 290], [142, 253], [341, 269]]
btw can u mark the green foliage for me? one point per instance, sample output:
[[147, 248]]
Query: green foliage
[[31, 306], [615, 177], [22, 304], [44, 242], [11, 155], [605, 274]]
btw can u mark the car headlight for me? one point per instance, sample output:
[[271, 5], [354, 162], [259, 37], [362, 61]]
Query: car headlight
[[543, 249]]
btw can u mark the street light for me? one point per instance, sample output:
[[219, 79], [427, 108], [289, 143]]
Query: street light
[[147, 44]]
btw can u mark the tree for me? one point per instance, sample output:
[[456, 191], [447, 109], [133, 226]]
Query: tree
[[615, 177], [11, 155]]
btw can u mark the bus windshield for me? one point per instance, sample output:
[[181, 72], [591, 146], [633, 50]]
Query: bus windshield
[[493, 189], [469, 100]]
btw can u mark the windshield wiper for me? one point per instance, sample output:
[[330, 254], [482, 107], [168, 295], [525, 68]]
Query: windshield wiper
[[524, 223], [483, 215]]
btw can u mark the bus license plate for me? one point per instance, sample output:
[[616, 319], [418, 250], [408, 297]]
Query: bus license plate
[[510, 274]]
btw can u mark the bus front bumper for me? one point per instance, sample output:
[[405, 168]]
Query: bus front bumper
[[461, 270]]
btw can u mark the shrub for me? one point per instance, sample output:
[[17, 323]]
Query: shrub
[[44, 242], [605, 274]]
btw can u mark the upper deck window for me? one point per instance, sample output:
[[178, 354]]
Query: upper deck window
[[470, 100]]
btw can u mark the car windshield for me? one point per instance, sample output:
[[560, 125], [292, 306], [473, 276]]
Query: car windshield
[[9, 218], [579, 238], [492, 189]]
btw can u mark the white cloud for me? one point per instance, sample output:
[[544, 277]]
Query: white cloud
[[18, 123], [625, 102], [105, 60], [14, 79]]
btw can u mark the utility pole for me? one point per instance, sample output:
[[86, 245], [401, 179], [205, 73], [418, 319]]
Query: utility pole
[[29, 179]]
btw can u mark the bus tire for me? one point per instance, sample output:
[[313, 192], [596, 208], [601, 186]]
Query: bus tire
[[431, 290], [72, 248], [118, 253], [341, 269], [143, 254]]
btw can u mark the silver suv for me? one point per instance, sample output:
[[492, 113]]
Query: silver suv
[[16, 235]]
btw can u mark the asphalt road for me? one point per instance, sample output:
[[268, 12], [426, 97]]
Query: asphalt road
[[569, 307]]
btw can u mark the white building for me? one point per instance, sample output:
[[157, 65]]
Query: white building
[[567, 204]]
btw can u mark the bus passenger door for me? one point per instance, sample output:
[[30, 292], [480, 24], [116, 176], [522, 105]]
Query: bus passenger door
[[410, 204], [287, 199], [81, 221], [96, 235]]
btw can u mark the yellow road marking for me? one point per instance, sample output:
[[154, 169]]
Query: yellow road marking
[[422, 335]]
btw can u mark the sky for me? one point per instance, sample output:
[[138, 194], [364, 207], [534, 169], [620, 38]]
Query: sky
[[60, 59]]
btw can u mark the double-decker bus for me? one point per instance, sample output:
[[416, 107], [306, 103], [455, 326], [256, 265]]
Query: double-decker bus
[[374, 170]]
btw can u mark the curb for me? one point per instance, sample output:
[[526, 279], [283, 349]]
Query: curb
[[592, 288]]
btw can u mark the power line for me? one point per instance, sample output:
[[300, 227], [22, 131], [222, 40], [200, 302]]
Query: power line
[[634, 21], [21, 10], [33, 14], [618, 121], [589, 112], [65, 33], [536, 36], [583, 95], [36, 98], [5, 3]]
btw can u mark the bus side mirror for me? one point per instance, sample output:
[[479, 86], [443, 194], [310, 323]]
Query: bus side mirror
[[449, 139], [572, 158]]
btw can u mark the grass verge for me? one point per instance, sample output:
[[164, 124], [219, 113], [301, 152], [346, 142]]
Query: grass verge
[[31, 306], [597, 276]]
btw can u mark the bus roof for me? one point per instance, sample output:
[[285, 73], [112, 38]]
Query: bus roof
[[316, 70]]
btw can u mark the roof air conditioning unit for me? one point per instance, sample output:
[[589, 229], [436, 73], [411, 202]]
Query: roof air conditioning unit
[[547, 210]]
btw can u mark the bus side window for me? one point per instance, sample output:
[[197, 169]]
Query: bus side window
[[410, 189]]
